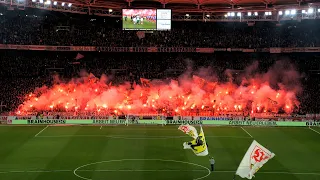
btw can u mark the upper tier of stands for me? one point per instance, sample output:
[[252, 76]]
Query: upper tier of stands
[[20, 28]]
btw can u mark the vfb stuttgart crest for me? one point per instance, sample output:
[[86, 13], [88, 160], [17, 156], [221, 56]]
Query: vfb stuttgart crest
[[258, 155], [185, 129]]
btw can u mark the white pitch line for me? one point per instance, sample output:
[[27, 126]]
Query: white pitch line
[[155, 170], [246, 132], [61, 136], [314, 130], [41, 131], [35, 171], [141, 170], [138, 137]]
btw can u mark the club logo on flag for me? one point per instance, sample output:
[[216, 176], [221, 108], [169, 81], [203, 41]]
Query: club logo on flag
[[184, 129], [259, 155]]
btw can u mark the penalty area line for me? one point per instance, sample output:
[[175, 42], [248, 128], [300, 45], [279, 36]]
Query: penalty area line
[[139, 137], [153, 170], [41, 131], [314, 130], [247, 132]]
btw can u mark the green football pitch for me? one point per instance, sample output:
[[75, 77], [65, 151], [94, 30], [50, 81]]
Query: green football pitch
[[140, 152], [146, 24]]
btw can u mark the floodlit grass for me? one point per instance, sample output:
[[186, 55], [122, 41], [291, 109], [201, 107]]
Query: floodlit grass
[[146, 24], [151, 152]]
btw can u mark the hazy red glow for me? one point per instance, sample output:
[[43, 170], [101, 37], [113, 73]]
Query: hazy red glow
[[266, 92]]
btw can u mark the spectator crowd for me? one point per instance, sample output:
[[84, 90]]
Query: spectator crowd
[[23, 71], [106, 31]]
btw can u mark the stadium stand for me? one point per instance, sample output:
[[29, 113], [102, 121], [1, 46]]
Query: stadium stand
[[88, 31], [23, 71]]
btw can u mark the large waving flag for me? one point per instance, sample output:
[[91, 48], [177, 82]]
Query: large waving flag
[[198, 145], [253, 160], [189, 130]]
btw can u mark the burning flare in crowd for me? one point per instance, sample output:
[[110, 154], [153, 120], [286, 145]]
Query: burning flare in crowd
[[249, 92]]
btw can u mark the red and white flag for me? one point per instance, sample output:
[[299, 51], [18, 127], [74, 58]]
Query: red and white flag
[[189, 130], [141, 34], [79, 56], [253, 160]]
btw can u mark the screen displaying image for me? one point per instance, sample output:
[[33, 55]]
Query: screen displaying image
[[164, 14], [163, 19], [139, 19], [163, 25]]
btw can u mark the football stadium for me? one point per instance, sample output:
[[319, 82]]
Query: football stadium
[[159, 89]]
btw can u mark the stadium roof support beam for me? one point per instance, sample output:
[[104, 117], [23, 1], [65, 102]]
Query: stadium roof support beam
[[129, 2], [299, 2], [163, 2]]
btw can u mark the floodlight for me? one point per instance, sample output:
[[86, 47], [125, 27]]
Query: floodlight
[[287, 12], [249, 13]]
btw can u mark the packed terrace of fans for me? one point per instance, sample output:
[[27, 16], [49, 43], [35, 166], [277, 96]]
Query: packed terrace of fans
[[99, 31], [20, 80]]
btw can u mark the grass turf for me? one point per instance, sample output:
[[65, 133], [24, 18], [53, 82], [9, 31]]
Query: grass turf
[[146, 24], [57, 151]]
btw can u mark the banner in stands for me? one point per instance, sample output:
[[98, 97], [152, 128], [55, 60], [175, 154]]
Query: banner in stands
[[215, 118], [155, 120], [130, 121], [109, 121], [275, 50], [195, 122], [312, 124], [45, 121]]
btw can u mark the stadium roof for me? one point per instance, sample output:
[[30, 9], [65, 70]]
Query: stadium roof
[[196, 4], [185, 10]]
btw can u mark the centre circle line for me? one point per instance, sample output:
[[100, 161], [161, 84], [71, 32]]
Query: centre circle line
[[120, 160]]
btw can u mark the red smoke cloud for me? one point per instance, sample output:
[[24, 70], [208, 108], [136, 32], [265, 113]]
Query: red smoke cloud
[[249, 92]]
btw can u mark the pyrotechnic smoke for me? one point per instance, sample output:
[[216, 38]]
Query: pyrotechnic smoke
[[248, 92]]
